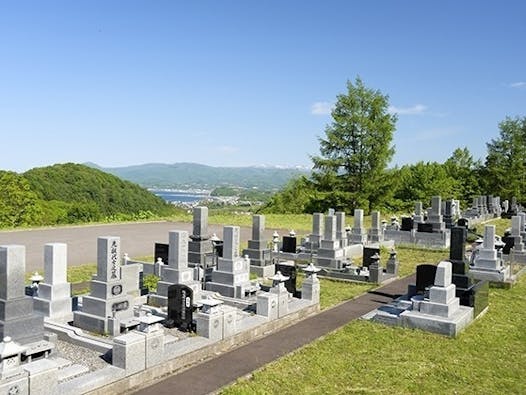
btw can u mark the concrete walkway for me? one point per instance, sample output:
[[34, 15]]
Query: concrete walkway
[[218, 372]]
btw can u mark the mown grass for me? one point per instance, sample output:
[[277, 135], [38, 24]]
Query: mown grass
[[363, 357]]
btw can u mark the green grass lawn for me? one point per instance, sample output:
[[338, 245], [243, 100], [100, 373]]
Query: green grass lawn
[[364, 357]]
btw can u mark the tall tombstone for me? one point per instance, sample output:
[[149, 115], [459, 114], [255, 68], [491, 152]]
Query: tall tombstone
[[516, 227], [231, 278], [178, 250], [317, 224], [317, 232], [108, 303], [177, 270], [448, 214], [340, 227], [358, 234], [435, 217], [471, 293], [330, 253], [330, 228], [54, 294], [199, 246], [258, 227], [200, 223], [108, 259], [231, 242], [375, 234], [257, 250], [17, 319]]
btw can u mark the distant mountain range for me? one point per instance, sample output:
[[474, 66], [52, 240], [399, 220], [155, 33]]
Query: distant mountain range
[[193, 175]]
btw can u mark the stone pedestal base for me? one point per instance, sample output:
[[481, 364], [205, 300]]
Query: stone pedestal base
[[449, 326]]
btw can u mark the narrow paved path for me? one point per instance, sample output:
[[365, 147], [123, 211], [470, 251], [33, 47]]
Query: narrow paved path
[[216, 373], [137, 239]]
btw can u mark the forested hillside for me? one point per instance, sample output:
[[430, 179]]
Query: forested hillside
[[72, 193]]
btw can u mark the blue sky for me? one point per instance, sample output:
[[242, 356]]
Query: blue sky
[[249, 82]]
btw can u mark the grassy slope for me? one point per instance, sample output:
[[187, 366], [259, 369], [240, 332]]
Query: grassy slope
[[364, 357], [488, 357]]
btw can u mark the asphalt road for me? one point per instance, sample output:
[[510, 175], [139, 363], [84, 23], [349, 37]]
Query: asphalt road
[[137, 239]]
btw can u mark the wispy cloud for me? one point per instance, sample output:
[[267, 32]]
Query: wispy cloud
[[417, 109], [227, 149], [321, 108], [518, 85]]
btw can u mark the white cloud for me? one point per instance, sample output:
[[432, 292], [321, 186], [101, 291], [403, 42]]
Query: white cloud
[[414, 110], [321, 108], [518, 85]]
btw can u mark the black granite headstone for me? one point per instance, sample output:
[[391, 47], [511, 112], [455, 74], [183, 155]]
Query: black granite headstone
[[458, 240], [407, 224], [218, 248], [423, 227], [289, 244], [161, 251], [463, 222], [368, 252], [509, 243], [289, 271], [180, 307], [425, 277]]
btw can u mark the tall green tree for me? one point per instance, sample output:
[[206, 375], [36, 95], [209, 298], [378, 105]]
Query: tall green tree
[[356, 148], [505, 172], [420, 181], [465, 171]]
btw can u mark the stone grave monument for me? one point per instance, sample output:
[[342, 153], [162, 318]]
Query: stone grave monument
[[375, 234], [340, 229], [317, 233], [200, 245], [17, 319], [330, 254], [441, 312], [435, 215], [108, 307], [177, 270], [472, 293], [231, 278], [358, 234], [488, 265], [54, 294], [258, 251]]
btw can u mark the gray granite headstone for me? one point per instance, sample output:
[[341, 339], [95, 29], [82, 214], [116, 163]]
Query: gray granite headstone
[[258, 227], [200, 222], [231, 242], [330, 227], [178, 249]]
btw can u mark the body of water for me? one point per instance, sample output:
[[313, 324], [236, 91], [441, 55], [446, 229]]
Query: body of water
[[179, 196]]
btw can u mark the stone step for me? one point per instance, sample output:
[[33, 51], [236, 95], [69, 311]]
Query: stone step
[[71, 371]]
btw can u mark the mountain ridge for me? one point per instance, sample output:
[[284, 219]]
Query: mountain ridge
[[188, 175]]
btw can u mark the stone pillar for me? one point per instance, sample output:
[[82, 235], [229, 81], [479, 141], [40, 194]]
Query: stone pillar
[[330, 228], [358, 234], [340, 228], [54, 294], [16, 309], [375, 234]]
